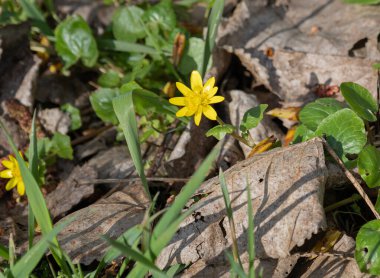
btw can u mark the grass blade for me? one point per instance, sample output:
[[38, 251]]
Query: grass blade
[[4, 252], [29, 261], [213, 23], [33, 167], [35, 197], [34, 13], [138, 257], [251, 235], [227, 202], [170, 221], [236, 268], [121, 46], [125, 112]]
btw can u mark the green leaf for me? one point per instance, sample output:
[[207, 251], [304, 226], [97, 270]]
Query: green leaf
[[74, 41], [76, 121], [376, 66], [360, 100], [128, 47], [251, 233], [302, 134], [125, 112], [367, 251], [31, 258], [162, 14], [193, 57], [4, 252], [109, 79], [101, 102], [212, 27], [344, 132], [253, 117], [220, 131], [362, 2], [127, 25], [61, 145], [369, 166], [34, 13], [313, 113]]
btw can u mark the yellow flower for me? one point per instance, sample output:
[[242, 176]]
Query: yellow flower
[[197, 100], [13, 173]]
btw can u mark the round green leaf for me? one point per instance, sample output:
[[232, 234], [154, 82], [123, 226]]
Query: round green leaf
[[302, 134], [162, 14], [253, 117], [344, 132], [367, 251], [101, 102], [360, 100], [313, 113], [193, 57], [369, 166], [220, 131], [74, 41], [127, 24], [109, 79]]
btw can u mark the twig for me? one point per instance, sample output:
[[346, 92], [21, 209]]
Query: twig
[[351, 178], [90, 135], [132, 179]]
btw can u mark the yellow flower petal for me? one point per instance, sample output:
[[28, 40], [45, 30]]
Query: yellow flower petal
[[6, 174], [212, 92], [183, 89], [216, 99], [209, 85], [7, 164], [21, 188], [180, 101], [191, 110], [198, 116], [209, 112], [10, 184], [182, 112], [12, 159], [196, 82]]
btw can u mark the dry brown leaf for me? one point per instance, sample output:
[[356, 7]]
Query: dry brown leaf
[[289, 113], [287, 188], [262, 146], [81, 239]]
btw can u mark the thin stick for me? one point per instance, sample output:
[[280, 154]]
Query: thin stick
[[132, 179], [351, 178], [321, 254]]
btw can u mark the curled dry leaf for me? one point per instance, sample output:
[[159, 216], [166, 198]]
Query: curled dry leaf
[[343, 49], [110, 217], [287, 188]]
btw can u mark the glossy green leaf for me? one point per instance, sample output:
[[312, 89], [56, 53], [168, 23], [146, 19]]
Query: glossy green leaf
[[125, 112], [109, 79], [101, 102], [76, 120], [193, 56], [212, 27], [360, 100], [313, 113], [127, 24], [74, 42], [367, 251], [344, 132], [369, 166], [61, 145], [253, 117], [302, 134], [161, 14], [220, 131]]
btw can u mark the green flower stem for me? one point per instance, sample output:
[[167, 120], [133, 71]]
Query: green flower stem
[[234, 134], [353, 198]]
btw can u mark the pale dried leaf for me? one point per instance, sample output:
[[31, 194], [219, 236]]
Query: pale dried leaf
[[287, 188]]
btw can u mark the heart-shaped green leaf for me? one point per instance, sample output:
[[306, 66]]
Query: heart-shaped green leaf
[[360, 100], [313, 113], [367, 251], [127, 24], [344, 132], [220, 131], [369, 166], [74, 41], [253, 117]]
